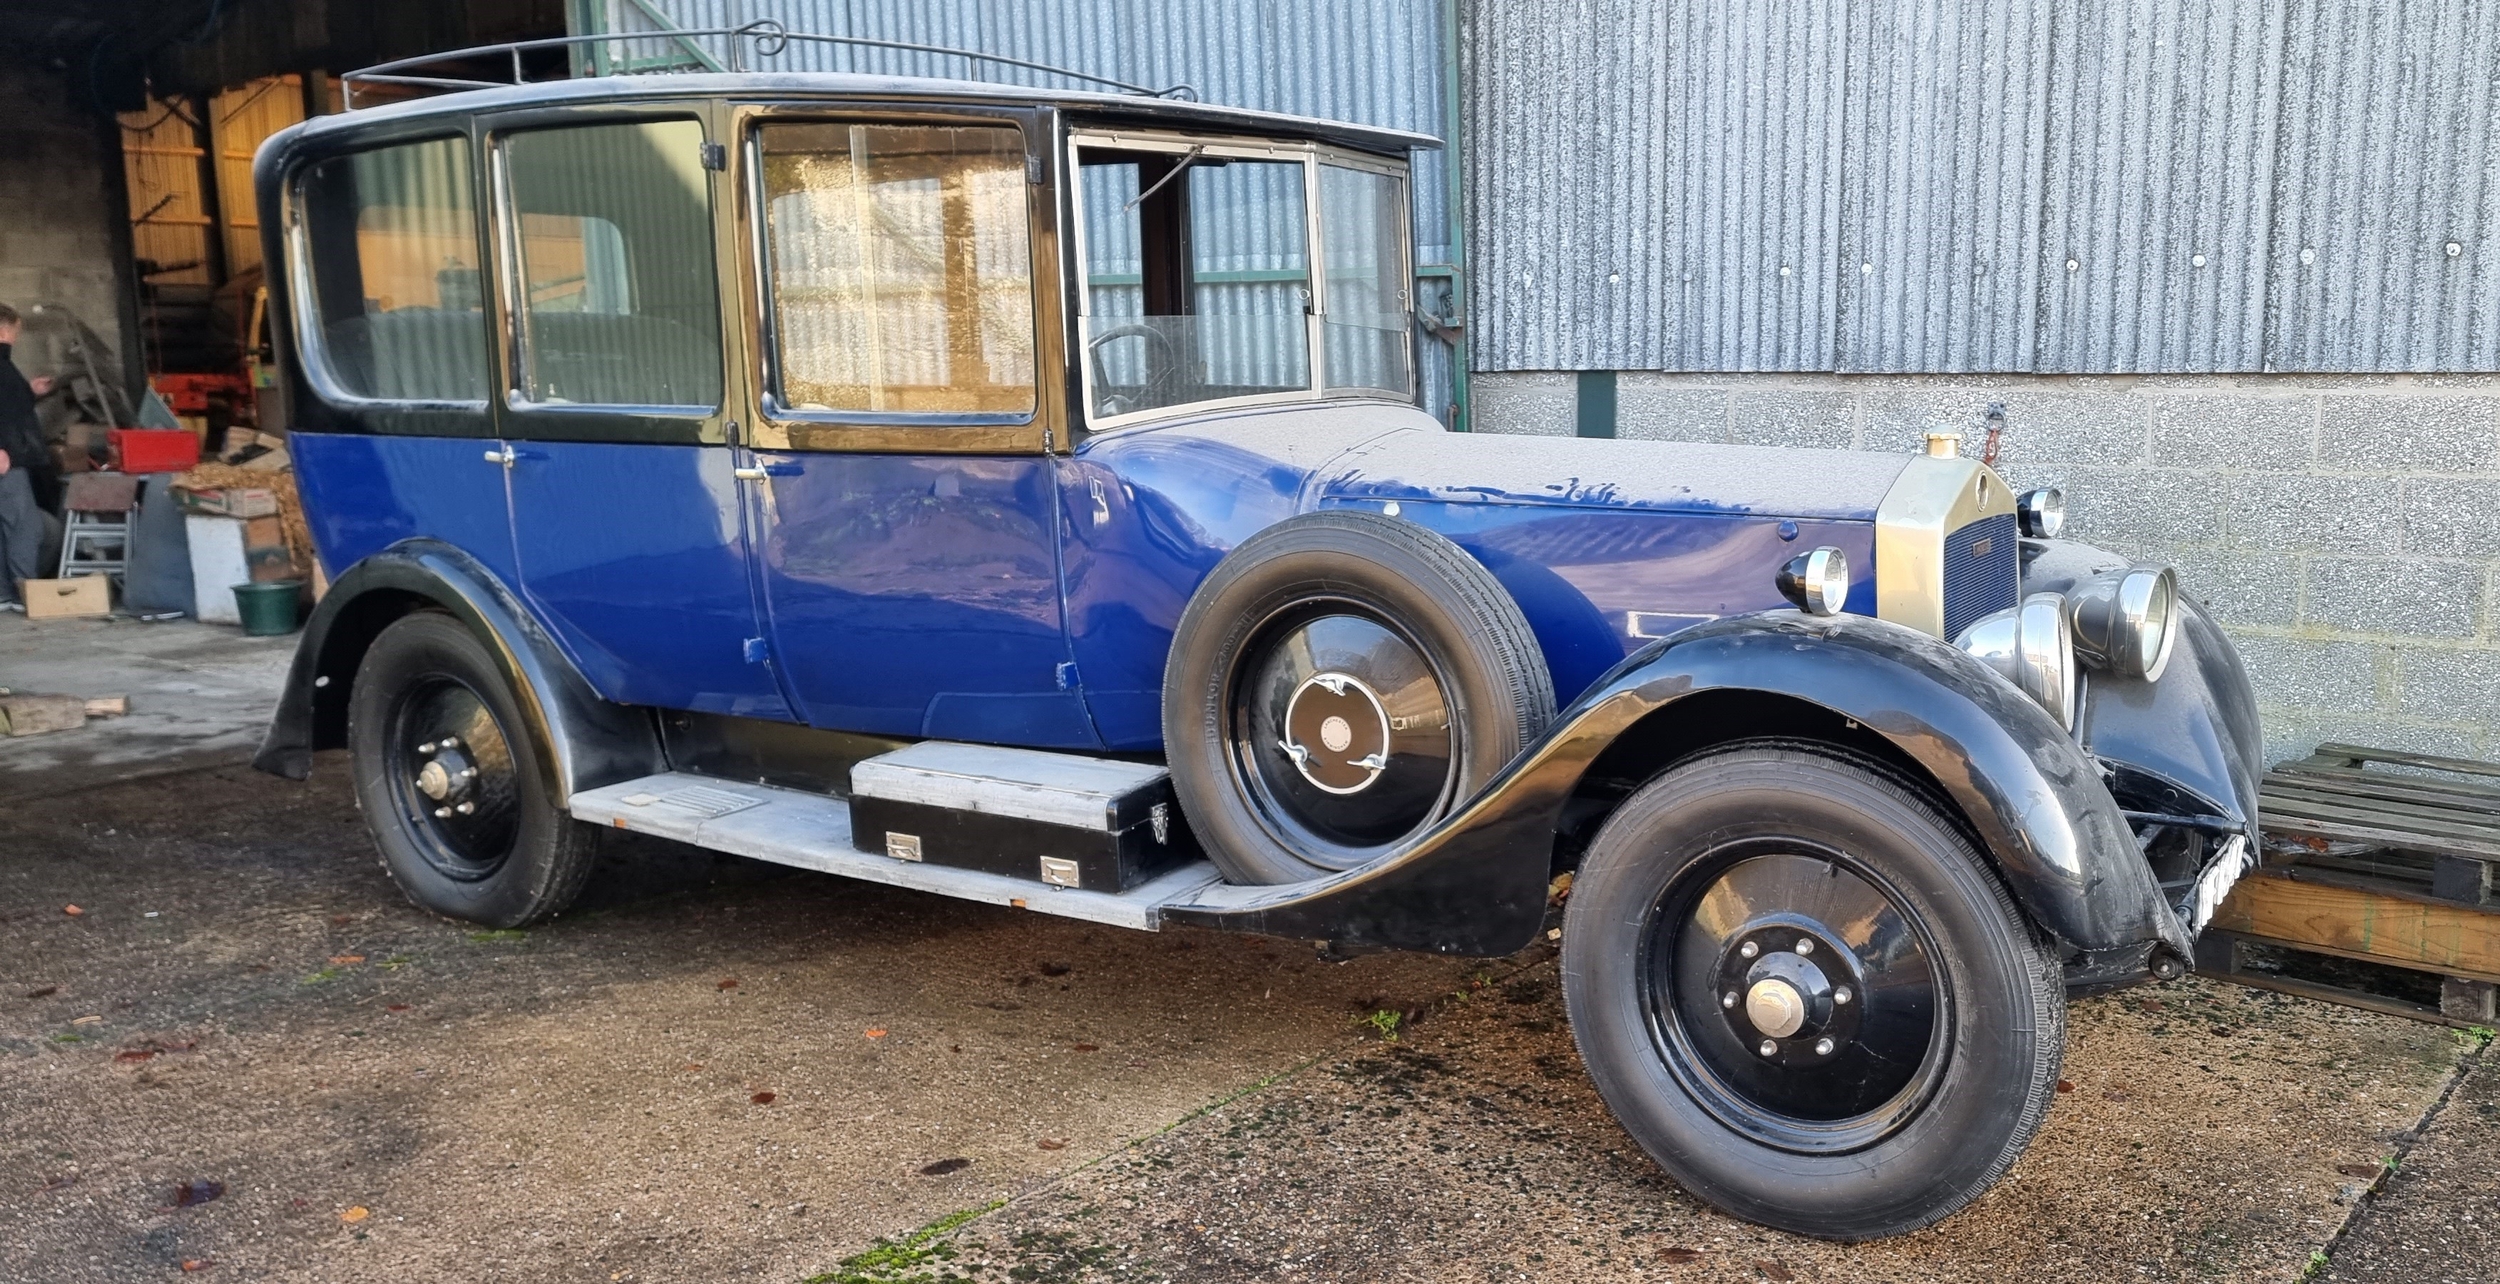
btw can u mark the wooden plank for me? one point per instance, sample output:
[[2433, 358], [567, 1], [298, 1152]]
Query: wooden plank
[[2362, 881], [2292, 820], [2403, 816], [2355, 753], [2354, 784], [2325, 993], [2306, 771], [2452, 940]]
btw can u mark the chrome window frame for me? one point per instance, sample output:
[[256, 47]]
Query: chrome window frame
[[967, 431], [505, 233], [1311, 156], [312, 345]]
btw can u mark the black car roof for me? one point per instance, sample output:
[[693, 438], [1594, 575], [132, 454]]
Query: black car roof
[[1124, 109]]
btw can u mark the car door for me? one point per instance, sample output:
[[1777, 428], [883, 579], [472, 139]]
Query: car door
[[386, 244], [907, 524], [627, 518]]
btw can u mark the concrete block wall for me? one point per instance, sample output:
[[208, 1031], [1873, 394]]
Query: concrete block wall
[[60, 211], [2345, 529]]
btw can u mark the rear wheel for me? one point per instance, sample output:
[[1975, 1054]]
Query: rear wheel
[[1806, 996], [450, 784]]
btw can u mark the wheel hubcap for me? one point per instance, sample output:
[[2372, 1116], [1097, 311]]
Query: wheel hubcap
[[451, 771], [1340, 733], [1794, 997], [1336, 733]]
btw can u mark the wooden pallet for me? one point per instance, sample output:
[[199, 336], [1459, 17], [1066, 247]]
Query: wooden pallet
[[2394, 866]]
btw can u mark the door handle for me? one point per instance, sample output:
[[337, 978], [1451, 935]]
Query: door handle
[[503, 455], [749, 474]]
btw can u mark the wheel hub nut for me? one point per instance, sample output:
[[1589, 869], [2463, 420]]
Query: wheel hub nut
[[1775, 1008], [447, 774]]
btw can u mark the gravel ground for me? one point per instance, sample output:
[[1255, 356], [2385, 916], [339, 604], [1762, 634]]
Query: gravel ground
[[247, 1054], [2436, 1219]]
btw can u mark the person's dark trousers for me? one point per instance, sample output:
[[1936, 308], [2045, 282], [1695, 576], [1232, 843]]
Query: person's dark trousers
[[21, 531]]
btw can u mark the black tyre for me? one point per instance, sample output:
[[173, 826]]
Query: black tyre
[[1806, 996], [1341, 681], [450, 784]]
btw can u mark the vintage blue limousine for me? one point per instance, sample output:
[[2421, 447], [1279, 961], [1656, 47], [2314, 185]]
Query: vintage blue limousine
[[1022, 495]]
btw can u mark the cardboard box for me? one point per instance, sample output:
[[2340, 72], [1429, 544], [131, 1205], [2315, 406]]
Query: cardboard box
[[230, 501], [67, 599]]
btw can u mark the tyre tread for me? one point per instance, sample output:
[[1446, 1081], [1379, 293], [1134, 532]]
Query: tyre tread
[[2042, 977]]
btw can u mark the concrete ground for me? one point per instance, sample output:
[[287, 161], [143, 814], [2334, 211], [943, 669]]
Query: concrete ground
[[199, 694], [247, 1055]]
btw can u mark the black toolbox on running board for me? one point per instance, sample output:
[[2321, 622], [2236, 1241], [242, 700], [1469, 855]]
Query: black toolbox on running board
[[1061, 819]]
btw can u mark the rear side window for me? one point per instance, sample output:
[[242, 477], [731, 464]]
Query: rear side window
[[391, 235], [610, 236], [901, 268]]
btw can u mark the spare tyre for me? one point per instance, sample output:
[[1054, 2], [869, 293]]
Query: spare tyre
[[1341, 681]]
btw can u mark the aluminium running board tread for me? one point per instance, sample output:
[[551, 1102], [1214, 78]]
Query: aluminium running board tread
[[813, 831]]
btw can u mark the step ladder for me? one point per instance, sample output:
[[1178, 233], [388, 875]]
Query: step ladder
[[96, 526]]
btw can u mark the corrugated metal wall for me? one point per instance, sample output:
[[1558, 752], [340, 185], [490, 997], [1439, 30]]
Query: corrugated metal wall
[[1967, 185], [1374, 61]]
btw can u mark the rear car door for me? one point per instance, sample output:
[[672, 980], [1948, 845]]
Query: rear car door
[[907, 533], [387, 244], [626, 514]]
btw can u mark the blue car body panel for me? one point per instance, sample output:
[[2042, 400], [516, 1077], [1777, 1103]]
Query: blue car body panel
[[363, 493], [1604, 550], [1031, 601], [634, 556], [916, 595]]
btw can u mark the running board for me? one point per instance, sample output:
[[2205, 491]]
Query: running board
[[813, 831]]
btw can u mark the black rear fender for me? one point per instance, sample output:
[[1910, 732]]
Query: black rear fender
[[582, 741]]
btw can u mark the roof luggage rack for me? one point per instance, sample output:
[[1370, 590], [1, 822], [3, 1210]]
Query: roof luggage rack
[[768, 37]]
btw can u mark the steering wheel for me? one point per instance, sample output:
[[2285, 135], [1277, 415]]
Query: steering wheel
[[1161, 360]]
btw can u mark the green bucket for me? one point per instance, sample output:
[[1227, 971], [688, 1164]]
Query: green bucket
[[268, 609]]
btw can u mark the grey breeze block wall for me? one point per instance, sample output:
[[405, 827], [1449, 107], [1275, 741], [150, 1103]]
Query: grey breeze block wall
[[2344, 528], [58, 210]]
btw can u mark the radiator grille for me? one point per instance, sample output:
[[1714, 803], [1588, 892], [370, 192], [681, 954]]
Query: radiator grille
[[1979, 570]]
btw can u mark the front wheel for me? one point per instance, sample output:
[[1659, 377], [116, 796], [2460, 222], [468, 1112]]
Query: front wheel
[[449, 783], [1806, 996]]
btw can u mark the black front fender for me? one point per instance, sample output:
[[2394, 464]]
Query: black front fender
[[1475, 884], [581, 740], [2187, 743]]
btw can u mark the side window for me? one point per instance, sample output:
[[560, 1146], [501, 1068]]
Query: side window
[[899, 265], [1363, 217], [610, 236], [1198, 283], [391, 239]]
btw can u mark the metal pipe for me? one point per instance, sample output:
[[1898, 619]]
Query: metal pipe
[[762, 32]]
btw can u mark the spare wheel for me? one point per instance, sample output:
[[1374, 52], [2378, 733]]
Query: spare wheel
[[1338, 684]]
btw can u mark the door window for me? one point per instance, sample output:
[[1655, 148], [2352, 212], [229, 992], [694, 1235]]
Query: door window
[[1368, 327], [900, 269], [392, 250], [1198, 282], [610, 234]]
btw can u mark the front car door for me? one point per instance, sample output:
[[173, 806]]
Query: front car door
[[907, 523], [626, 514]]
